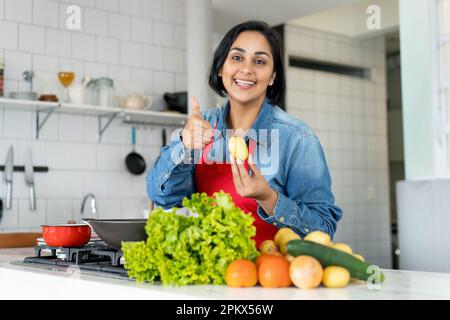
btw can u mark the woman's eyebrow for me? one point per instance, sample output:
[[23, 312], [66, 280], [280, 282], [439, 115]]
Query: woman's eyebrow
[[256, 52]]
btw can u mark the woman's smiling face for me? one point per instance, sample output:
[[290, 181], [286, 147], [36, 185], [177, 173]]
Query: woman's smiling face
[[249, 68]]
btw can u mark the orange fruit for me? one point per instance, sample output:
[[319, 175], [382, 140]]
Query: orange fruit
[[241, 273], [273, 272], [265, 256]]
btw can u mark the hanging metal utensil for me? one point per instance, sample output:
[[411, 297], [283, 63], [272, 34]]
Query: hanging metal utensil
[[29, 177], [134, 161], [8, 177]]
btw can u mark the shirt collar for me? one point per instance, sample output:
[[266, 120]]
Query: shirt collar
[[263, 121]]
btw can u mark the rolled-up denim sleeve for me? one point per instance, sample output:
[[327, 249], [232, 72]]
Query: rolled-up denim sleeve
[[308, 204], [172, 176]]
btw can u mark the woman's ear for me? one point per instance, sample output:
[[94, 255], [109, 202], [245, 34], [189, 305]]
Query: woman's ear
[[220, 72], [272, 79]]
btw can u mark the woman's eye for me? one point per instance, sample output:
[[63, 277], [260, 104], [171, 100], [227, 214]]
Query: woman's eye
[[237, 58], [260, 62]]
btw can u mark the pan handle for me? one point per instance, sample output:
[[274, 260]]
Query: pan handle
[[133, 136], [8, 195]]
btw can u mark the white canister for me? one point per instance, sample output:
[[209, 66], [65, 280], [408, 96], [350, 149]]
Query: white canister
[[77, 93]]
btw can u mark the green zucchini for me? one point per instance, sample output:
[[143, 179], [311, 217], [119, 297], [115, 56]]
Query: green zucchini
[[332, 257]]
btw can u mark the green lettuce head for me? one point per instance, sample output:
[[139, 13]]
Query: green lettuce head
[[196, 249]]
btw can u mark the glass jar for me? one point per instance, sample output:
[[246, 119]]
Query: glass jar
[[103, 92]]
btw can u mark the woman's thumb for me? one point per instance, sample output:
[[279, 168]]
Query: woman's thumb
[[195, 107]]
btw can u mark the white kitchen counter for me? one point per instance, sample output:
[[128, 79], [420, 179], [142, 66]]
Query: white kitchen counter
[[19, 282]]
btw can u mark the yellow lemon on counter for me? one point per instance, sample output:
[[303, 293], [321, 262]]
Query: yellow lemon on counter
[[358, 256], [285, 239], [335, 277], [343, 247], [281, 233], [238, 148], [319, 237]]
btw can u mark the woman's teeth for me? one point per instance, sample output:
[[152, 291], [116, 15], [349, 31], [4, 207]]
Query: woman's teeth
[[244, 83]]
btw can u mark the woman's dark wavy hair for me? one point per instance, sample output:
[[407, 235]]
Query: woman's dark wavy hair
[[275, 92]]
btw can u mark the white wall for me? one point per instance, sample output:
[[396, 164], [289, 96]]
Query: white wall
[[418, 34], [138, 43], [349, 115], [351, 19]]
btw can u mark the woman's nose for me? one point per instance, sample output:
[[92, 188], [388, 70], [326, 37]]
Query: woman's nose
[[247, 68]]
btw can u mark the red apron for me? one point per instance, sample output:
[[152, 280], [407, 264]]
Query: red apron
[[213, 177]]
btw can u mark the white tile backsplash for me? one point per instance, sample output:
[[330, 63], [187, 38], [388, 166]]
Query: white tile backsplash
[[59, 155], [19, 10], [43, 63], [30, 219], [130, 54], [70, 185], [15, 64], [153, 9], [96, 22], [164, 82], [131, 7], [59, 43], [9, 35], [110, 157], [84, 157], [108, 5], [31, 38], [152, 57], [141, 46], [46, 13], [107, 50], [71, 128], [141, 30], [83, 47], [2, 9], [17, 125], [59, 210], [109, 209], [173, 11], [119, 26], [162, 33]]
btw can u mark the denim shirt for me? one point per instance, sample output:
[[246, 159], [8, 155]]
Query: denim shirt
[[288, 154]]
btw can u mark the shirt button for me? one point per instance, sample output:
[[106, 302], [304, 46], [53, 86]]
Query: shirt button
[[274, 223], [166, 176], [306, 230], [281, 219]]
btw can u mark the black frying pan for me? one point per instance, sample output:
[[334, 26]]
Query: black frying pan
[[114, 231], [134, 161]]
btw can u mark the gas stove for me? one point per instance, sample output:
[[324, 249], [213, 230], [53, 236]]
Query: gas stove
[[94, 258]]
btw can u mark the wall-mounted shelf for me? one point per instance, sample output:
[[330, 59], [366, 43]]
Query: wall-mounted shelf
[[45, 109]]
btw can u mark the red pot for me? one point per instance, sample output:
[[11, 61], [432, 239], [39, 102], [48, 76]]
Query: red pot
[[66, 235]]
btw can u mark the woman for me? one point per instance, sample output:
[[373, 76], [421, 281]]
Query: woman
[[285, 182]]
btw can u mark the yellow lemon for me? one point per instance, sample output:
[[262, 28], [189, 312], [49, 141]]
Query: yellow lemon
[[319, 237], [285, 239], [280, 233], [238, 148], [343, 247], [358, 256], [335, 277]]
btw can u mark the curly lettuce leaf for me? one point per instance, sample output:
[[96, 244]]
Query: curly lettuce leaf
[[197, 249]]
